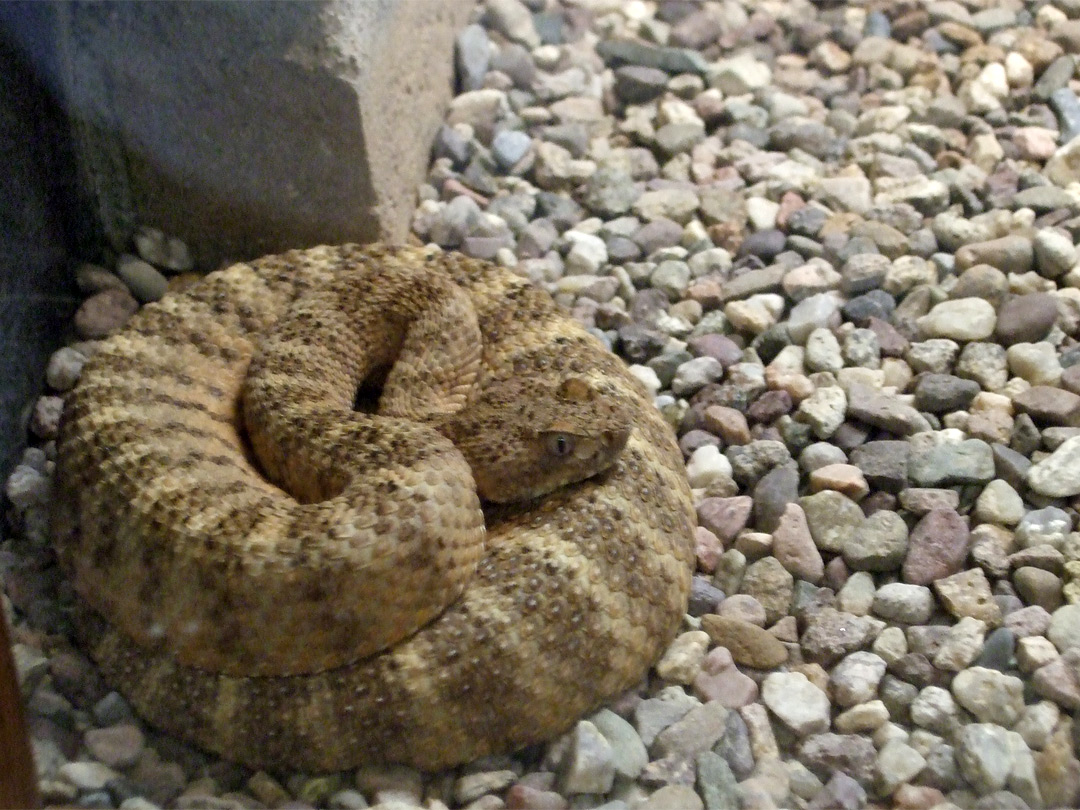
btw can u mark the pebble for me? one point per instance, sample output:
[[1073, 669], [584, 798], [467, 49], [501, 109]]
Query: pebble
[[794, 547], [962, 320], [829, 753], [509, 146], [985, 756], [27, 487], [589, 764], [991, 696], [824, 410], [1026, 318], [628, 751], [884, 411], [855, 679], [937, 547], [104, 313], [831, 634], [999, 503], [64, 368], [966, 462], [1049, 405], [1058, 475], [721, 681], [514, 20], [832, 518], [725, 517], [897, 763], [696, 731], [802, 706], [672, 797], [1056, 681], [1047, 526], [87, 776], [749, 644], [998, 650], [654, 714], [683, 658], [1035, 362], [967, 594], [772, 585], [1058, 770], [142, 278], [878, 544], [904, 603], [168, 252], [1064, 628], [118, 746]]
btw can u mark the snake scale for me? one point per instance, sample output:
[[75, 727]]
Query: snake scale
[[263, 573]]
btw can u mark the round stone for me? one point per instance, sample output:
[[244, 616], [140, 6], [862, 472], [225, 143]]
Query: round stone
[[855, 679], [999, 503], [1026, 318], [1057, 475], [878, 544], [901, 602], [964, 319], [509, 146], [1064, 628], [142, 278], [105, 313]]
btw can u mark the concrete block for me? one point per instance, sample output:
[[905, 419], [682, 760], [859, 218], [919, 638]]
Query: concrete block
[[248, 128]]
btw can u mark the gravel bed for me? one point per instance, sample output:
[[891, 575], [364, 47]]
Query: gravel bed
[[837, 242]]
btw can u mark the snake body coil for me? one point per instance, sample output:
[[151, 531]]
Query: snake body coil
[[238, 585]]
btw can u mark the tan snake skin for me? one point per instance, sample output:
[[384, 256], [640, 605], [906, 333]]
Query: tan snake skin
[[282, 629]]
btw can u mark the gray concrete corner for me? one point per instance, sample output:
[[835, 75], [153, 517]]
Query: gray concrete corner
[[248, 128]]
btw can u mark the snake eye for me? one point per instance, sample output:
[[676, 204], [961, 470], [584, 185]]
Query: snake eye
[[559, 444]]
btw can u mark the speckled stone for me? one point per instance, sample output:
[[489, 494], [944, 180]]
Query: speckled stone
[[967, 593], [966, 462], [937, 547], [878, 544], [830, 634]]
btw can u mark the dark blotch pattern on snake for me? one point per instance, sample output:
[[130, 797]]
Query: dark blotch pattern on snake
[[291, 583]]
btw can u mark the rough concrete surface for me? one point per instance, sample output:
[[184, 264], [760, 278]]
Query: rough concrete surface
[[247, 128]]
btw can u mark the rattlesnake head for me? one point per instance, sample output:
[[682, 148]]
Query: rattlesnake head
[[525, 438]]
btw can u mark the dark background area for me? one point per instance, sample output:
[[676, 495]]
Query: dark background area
[[40, 230]]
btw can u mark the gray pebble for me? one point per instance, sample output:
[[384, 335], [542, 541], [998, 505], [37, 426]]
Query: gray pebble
[[637, 84], [473, 54], [967, 462], [510, 146], [878, 544]]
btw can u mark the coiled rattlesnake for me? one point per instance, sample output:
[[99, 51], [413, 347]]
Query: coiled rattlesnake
[[283, 630]]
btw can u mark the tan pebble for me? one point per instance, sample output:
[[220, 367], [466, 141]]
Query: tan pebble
[[749, 644], [105, 313], [681, 662], [845, 478]]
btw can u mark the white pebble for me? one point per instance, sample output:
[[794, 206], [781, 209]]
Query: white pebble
[[64, 368], [707, 464]]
